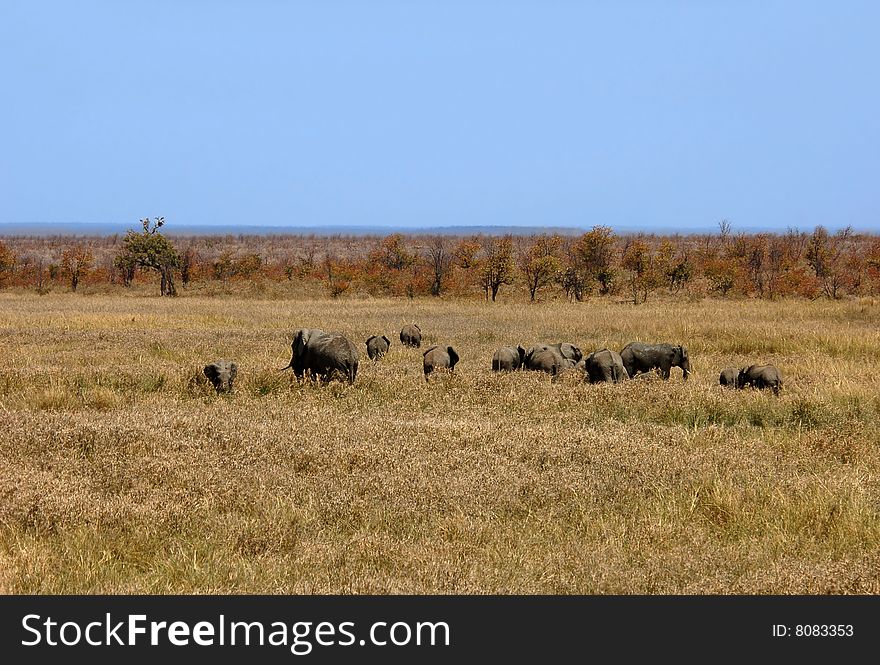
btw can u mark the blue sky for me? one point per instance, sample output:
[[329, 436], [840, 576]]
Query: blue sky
[[655, 115]]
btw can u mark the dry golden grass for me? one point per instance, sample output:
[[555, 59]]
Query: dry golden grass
[[120, 471]]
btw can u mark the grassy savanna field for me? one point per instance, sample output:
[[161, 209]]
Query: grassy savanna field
[[121, 474]]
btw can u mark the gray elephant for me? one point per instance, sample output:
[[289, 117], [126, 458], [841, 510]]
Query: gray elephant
[[325, 355], [377, 346], [439, 357], [552, 358], [729, 377], [605, 365], [760, 376], [545, 358], [569, 351], [639, 358], [411, 335], [508, 358], [221, 373]]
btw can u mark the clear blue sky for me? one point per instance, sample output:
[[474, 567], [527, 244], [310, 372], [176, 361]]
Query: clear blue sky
[[660, 115]]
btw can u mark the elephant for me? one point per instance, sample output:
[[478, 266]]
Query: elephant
[[411, 335], [569, 351], [508, 358], [605, 365], [639, 358], [760, 376], [729, 377], [546, 358], [323, 354], [221, 373], [552, 358], [377, 346], [438, 357]]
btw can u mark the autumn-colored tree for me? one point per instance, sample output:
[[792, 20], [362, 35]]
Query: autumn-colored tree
[[498, 266], [590, 261], [830, 260], [188, 263], [439, 257], [393, 254], [467, 262], [7, 263], [152, 250], [639, 261], [223, 267], [76, 261], [337, 275], [248, 266], [674, 270], [540, 263], [872, 265]]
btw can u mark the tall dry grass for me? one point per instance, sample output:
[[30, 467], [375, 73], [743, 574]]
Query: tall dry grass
[[121, 471]]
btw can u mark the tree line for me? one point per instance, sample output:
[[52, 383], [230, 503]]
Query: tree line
[[598, 262]]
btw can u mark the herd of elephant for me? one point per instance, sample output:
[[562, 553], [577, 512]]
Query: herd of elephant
[[325, 356]]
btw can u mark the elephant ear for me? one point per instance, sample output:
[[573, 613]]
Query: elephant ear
[[210, 371], [387, 341], [370, 339], [522, 352], [300, 341], [453, 356], [233, 370]]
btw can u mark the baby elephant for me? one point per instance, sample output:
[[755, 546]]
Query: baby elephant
[[221, 374], [508, 359], [729, 377], [760, 376], [438, 357], [605, 365], [377, 346], [411, 335]]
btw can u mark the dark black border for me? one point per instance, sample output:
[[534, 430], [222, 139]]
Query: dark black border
[[694, 628]]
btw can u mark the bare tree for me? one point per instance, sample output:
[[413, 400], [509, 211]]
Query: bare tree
[[439, 257]]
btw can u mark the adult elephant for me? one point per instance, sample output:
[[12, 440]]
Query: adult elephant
[[639, 358], [411, 335], [377, 346], [760, 376], [325, 355], [508, 358], [605, 365], [439, 357]]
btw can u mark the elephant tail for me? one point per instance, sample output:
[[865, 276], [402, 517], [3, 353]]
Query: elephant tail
[[615, 374]]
